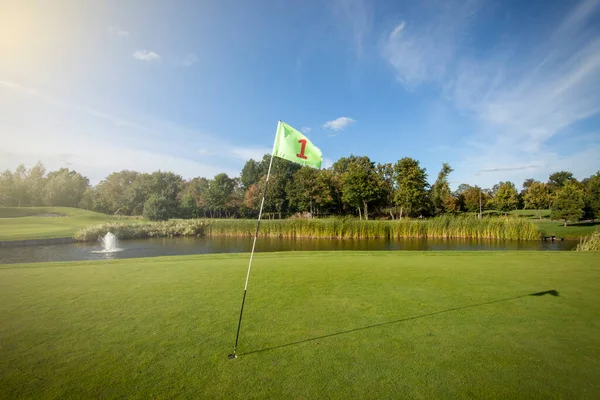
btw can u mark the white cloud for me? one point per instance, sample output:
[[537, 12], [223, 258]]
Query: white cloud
[[145, 55], [189, 60], [306, 130], [115, 30], [523, 100], [422, 50], [247, 153], [96, 143], [339, 123]]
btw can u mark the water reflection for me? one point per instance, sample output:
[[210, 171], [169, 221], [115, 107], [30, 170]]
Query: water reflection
[[181, 246]]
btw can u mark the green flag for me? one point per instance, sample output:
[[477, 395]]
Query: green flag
[[293, 146]]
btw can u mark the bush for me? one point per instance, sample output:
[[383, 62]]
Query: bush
[[159, 209]]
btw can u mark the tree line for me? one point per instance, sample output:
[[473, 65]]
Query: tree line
[[354, 185]]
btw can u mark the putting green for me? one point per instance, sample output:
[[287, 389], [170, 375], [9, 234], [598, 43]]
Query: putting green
[[316, 325]]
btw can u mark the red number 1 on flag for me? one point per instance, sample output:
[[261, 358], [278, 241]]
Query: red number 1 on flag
[[303, 143]]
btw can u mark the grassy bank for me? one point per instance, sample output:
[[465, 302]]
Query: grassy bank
[[440, 227], [574, 230], [24, 223], [316, 325]]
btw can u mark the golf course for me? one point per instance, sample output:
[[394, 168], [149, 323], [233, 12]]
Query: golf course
[[316, 325]]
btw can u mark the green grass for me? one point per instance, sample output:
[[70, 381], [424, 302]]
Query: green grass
[[317, 325], [531, 213], [572, 231], [23, 223]]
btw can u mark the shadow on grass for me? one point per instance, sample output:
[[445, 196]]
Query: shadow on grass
[[549, 292]]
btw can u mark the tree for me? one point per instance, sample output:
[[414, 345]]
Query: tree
[[568, 203], [7, 186], [559, 179], [527, 184], [537, 197], [440, 191], [360, 184], [470, 197], [411, 182], [218, 193], [188, 206], [65, 188], [250, 174], [165, 185], [388, 187], [20, 193], [116, 193], [506, 198], [158, 208], [592, 196], [309, 190], [91, 200], [35, 182], [252, 197]]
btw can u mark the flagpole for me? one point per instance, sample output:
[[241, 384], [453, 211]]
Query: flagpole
[[262, 203]]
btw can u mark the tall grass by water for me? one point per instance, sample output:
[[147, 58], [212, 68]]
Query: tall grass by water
[[590, 242], [502, 228]]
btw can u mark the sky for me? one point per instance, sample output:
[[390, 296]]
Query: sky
[[501, 90]]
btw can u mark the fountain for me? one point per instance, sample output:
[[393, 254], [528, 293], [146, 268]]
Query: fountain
[[110, 244]]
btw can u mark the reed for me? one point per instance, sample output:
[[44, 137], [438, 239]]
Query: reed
[[469, 227], [590, 242]]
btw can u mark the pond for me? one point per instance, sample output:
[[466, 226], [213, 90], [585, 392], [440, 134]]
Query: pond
[[182, 246]]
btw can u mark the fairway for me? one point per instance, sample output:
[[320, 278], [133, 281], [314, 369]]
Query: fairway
[[26, 223], [316, 325], [573, 230]]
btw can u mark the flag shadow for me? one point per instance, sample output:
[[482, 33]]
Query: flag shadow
[[550, 292]]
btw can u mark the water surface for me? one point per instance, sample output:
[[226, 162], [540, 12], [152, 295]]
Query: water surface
[[181, 246]]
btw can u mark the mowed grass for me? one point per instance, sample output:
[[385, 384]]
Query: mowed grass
[[573, 230], [317, 325], [24, 223]]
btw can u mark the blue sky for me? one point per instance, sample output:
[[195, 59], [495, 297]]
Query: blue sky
[[501, 90]]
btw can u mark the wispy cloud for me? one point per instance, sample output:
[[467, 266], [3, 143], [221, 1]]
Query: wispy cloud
[[189, 60], [115, 30], [534, 87], [61, 133], [145, 55], [339, 123], [60, 103], [357, 17], [306, 130], [503, 169], [423, 49]]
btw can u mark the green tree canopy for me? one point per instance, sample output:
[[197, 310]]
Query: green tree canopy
[[568, 203], [592, 196], [441, 196], [158, 208], [506, 197], [218, 193], [411, 193], [559, 179], [65, 188], [537, 197], [361, 184]]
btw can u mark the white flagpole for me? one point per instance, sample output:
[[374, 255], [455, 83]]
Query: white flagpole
[[262, 203]]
